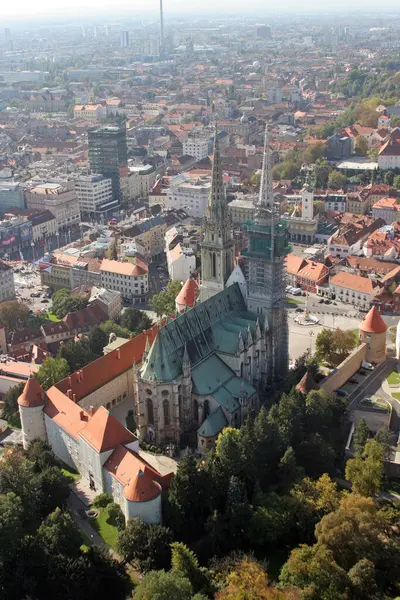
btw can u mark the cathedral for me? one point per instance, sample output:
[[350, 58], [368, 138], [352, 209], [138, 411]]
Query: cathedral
[[208, 366]]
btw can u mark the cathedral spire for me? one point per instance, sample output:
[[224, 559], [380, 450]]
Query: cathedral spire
[[216, 209], [266, 196]]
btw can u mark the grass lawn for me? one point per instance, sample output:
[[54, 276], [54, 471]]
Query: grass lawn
[[396, 395], [86, 542], [104, 528], [52, 317], [376, 403], [394, 378], [293, 302], [357, 336], [392, 486], [70, 473]]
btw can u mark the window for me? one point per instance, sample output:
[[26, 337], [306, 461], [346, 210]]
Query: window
[[166, 412], [195, 409], [150, 411], [206, 408], [165, 393]]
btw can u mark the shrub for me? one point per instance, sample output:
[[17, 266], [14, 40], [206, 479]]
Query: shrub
[[102, 500]]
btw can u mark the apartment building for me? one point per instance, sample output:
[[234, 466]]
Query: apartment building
[[7, 288], [181, 263], [129, 278], [242, 208], [58, 198], [95, 194], [140, 181], [387, 209], [191, 195], [90, 112], [150, 235], [353, 289], [197, 147]]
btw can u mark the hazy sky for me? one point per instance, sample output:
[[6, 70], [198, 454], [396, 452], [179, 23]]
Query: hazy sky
[[23, 9]]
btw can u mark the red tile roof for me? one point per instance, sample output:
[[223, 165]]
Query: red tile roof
[[313, 271], [142, 488], [68, 415], [104, 432], [188, 294], [32, 395], [107, 367], [373, 322], [124, 268], [294, 264], [87, 317], [307, 383]]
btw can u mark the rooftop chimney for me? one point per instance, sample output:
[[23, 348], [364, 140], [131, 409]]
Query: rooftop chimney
[[118, 354], [91, 411]]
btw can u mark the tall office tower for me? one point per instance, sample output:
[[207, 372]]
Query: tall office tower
[[124, 39], [161, 25], [265, 272], [217, 243], [108, 154]]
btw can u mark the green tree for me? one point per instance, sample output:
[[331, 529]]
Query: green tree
[[163, 303], [361, 436], [58, 534], [10, 409], [63, 303], [41, 455], [110, 327], [102, 500], [149, 545], [363, 579], [396, 182], [366, 472], [185, 564], [116, 516], [51, 371], [272, 520], [52, 489], [383, 437], [161, 585], [189, 500], [337, 180], [11, 526], [14, 315], [77, 354], [98, 338], [334, 346], [289, 471], [361, 146], [135, 320]]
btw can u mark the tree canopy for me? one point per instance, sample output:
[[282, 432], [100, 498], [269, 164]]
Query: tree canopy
[[14, 315], [51, 371], [163, 303], [333, 346], [64, 303]]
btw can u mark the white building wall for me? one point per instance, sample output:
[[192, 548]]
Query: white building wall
[[32, 424], [7, 287], [149, 512], [181, 268], [64, 446], [92, 464], [119, 389]]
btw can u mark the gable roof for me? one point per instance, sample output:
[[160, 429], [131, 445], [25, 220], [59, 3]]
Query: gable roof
[[294, 264], [32, 395], [63, 411], [373, 322], [196, 328], [104, 432], [214, 424], [353, 282], [107, 367], [87, 317], [142, 487]]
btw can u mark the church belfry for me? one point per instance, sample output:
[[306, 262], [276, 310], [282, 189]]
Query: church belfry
[[217, 245], [265, 272]]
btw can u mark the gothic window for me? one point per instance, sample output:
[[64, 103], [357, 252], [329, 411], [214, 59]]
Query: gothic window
[[195, 411], [148, 392], [206, 408], [150, 411], [214, 265], [166, 412], [165, 393]]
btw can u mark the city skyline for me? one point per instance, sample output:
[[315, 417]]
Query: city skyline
[[24, 10]]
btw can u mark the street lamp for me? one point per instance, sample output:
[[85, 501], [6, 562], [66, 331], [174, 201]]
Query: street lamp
[[33, 250]]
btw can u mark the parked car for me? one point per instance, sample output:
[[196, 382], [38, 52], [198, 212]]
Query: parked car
[[367, 365], [321, 301], [353, 381], [35, 295], [362, 373], [341, 393], [327, 301], [45, 301], [299, 310]]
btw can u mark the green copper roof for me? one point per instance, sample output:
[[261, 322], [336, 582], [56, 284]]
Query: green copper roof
[[202, 330], [214, 424]]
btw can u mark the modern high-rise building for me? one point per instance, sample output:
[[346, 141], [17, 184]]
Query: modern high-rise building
[[108, 154], [124, 39]]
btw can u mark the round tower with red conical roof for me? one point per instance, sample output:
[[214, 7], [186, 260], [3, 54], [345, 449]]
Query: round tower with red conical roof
[[31, 404], [373, 332]]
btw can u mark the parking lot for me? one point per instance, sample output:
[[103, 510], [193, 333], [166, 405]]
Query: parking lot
[[28, 288]]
